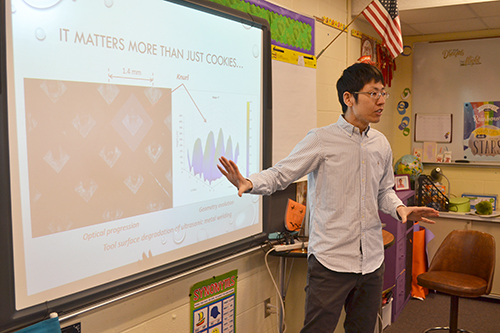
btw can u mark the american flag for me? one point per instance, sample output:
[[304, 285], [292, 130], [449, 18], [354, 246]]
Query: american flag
[[384, 17]]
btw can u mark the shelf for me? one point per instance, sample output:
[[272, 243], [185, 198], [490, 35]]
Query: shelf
[[469, 217], [471, 164]]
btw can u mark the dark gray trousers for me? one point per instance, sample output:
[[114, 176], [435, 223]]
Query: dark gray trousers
[[328, 291]]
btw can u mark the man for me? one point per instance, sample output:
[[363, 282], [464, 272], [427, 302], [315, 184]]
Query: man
[[350, 178]]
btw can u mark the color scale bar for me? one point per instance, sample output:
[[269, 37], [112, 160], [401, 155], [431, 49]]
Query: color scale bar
[[248, 139]]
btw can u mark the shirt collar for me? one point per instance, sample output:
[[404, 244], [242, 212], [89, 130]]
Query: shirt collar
[[349, 128]]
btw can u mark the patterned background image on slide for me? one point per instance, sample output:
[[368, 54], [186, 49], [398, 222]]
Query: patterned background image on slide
[[96, 152]]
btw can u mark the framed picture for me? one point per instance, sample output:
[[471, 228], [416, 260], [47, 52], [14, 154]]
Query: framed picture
[[402, 182]]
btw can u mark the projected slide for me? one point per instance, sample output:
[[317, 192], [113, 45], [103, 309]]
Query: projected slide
[[119, 111]]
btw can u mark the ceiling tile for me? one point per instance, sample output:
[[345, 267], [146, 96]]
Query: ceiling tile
[[450, 26], [493, 22], [486, 9], [436, 14]]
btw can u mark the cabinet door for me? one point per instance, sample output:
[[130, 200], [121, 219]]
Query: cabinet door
[[400, 255], [390, 267], [409, 263], [399, 296]]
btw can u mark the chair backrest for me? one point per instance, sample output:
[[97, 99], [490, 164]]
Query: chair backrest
[[469, 252]]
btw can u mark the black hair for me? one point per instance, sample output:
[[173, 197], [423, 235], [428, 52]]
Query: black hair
[[354, 78]]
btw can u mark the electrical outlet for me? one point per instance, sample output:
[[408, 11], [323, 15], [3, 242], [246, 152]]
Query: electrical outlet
[[267, 310]]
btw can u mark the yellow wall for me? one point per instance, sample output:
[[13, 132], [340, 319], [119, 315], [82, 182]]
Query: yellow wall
[[468, 179], [166, 308]]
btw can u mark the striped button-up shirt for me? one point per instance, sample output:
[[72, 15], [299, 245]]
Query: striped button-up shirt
[[350, 178]]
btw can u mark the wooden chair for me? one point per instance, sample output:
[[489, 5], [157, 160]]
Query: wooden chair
[[463, 266]]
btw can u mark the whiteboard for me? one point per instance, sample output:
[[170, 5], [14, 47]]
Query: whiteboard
[[448, 74]]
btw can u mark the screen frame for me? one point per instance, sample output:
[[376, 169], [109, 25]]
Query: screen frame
[[12, 319]]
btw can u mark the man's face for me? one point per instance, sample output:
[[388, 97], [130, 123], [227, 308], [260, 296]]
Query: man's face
[[367, 109]]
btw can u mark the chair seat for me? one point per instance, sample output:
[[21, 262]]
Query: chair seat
[[452, 283]]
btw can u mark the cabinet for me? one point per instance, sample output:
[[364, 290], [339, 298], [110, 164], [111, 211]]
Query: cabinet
[[398, 258]]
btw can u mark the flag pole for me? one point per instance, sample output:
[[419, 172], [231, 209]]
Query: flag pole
[[347, 26]]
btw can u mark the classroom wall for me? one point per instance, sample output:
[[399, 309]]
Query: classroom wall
[[166, 308]]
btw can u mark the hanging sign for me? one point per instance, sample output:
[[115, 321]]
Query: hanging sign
[[293, 57]]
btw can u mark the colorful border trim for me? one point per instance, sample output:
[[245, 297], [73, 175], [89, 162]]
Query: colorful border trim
[[288, 29]]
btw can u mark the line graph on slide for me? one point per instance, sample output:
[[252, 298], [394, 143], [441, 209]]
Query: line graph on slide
[[207, 125]]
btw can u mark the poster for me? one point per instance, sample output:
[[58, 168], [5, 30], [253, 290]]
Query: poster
[[482, 131], [213, 304], [429, 152]]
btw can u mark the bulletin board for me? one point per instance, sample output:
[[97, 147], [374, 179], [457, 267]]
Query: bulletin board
[[448, 76]]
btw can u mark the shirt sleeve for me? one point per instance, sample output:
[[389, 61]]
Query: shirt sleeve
[[304, 158], [387, 198]]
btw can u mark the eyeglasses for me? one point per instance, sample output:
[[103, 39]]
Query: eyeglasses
[[375, 94]]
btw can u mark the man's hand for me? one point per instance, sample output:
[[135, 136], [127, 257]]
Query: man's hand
[[418, 214], [231, 172]]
